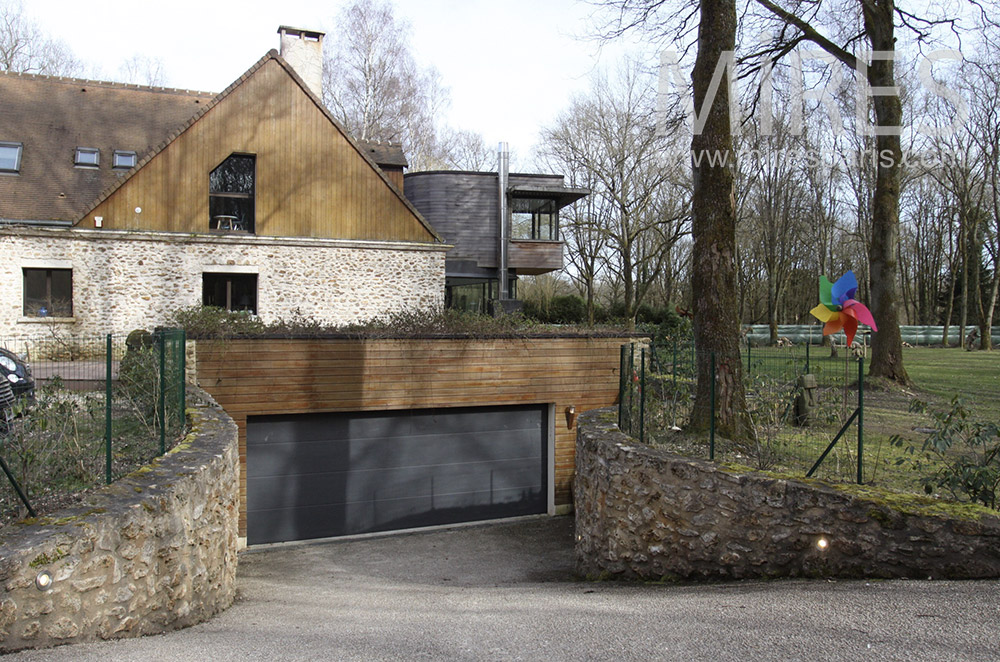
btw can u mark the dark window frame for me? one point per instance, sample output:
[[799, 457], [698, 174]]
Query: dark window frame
[[19, 154], [544, 224], [221, 289], [89, 151], [233, 210], [124, 153], [52, 307]]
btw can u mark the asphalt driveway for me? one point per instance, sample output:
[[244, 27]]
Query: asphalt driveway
[[506, 591]]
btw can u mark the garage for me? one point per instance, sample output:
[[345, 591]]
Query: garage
[[333, 474]]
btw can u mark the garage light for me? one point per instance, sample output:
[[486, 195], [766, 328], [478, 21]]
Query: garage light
[[822, 544], [570, 416]]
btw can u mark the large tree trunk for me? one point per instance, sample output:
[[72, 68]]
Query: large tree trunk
[[713, 269], [883, 255]]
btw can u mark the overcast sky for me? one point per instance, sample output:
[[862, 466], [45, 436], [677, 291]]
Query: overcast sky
[[511, 65]]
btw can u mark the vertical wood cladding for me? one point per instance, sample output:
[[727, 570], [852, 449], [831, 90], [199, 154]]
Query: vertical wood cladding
[[310, 180], [257, 377]]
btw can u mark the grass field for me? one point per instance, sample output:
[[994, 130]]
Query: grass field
[[938, 375]]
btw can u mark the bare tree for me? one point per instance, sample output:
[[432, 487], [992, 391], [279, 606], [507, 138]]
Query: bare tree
[[374, 86], [24, 48], [985, 130], [143, 70], [713, 261], [639, 201], [467, 150]]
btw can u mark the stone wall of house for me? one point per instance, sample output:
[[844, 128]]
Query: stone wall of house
[[644, 514], [153, 552], [128, 280]]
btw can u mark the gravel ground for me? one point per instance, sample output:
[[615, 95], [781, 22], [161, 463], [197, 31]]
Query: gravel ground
[[506, 591]]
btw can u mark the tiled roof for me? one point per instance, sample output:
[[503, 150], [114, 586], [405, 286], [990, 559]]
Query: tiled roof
[[384, 154], [52, 116]]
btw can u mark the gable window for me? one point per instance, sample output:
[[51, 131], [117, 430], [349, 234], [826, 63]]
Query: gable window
[[230, 291], [10, 157], [534, 218], [123, 159], [231, 189], [87, 157], [48, 292]]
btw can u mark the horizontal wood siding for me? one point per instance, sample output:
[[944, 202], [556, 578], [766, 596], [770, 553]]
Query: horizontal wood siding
[[310, 180], [252, 377], [535, 257], [463, 207]]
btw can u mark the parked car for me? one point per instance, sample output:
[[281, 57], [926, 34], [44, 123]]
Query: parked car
[[18, 373]]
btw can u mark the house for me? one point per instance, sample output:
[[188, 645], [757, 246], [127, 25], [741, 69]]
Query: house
[[501, 225], [120, 204]]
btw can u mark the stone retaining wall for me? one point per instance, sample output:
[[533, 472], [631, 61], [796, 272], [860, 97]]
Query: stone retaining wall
[[154, 552], [644, 514]]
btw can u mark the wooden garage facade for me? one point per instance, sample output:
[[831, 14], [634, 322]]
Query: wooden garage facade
[[446, 389]]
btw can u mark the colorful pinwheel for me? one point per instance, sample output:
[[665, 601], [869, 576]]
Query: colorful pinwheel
[[838, 309]]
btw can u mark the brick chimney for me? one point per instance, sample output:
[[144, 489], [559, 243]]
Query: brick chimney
[[303, 50]]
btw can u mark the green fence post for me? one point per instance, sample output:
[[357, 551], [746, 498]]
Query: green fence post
[[711, 418], [163, 394], [631, 385], [621, 385], [183, 377], [861, 417], [107, 412], [674, 371], [642, 397]]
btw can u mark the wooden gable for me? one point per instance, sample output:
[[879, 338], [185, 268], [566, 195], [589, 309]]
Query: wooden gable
[[311, 180]]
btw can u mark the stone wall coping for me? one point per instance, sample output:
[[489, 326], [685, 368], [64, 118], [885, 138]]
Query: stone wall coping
[[83, 547], [209, 425], [86, 234]]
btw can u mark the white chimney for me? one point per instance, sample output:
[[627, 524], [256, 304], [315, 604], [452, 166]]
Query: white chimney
[[303, 50]]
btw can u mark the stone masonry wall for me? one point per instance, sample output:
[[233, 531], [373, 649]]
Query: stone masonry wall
[[128, 280], [644, 514], [153, 552]]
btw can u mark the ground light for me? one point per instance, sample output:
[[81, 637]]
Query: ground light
[[43, 580]]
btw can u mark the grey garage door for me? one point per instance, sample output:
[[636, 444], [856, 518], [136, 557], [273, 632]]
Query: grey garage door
[[320, 475]]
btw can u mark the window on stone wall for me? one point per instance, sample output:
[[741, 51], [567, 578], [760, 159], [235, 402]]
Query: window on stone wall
[[48, 292], [231, 192], [233, 292]]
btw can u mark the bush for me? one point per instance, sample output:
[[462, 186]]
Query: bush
[[563, 309], [964, 454]]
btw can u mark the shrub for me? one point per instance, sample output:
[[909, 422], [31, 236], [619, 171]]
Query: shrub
[[967, 454], [217, 323]]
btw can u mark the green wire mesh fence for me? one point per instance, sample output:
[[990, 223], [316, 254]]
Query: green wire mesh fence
[[100, 407], [799, 398]]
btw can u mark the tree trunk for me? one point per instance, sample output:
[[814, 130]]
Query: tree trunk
[[883, 255], [986, 342], [772, 312], [713, 269], [963, 240]]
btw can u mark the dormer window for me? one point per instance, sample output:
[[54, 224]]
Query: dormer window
[[10, 157], [87, 157], [123, 160], [231, 189]]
